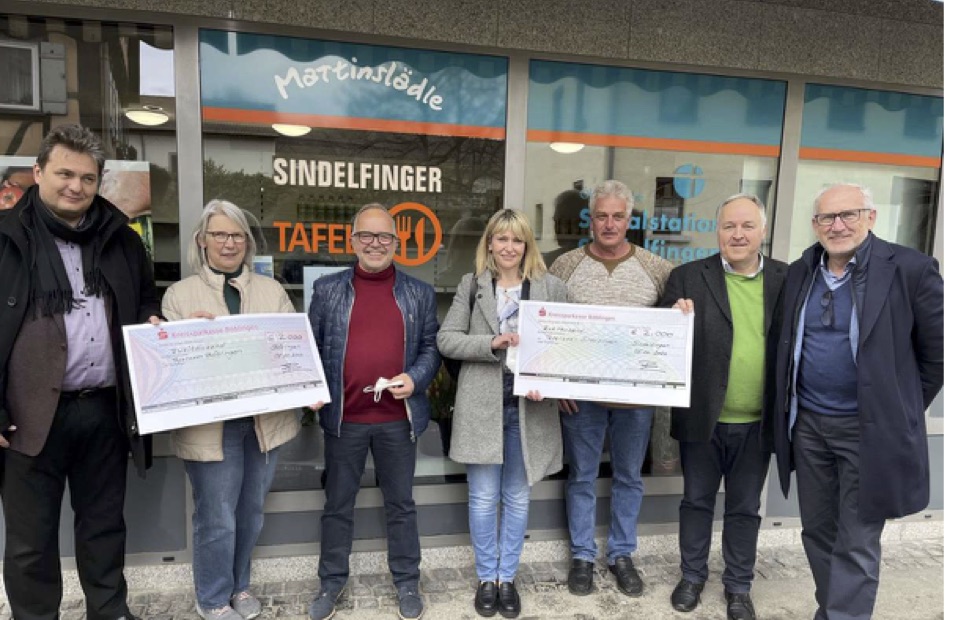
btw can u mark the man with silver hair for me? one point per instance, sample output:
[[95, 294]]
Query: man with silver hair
[[74, 274], [608, 271], [726, 433], [860, 358]]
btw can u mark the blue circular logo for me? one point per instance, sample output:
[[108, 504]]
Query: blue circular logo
[[688, 181]]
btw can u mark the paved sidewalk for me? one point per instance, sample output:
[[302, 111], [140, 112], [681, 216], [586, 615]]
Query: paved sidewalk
[[911, 585]]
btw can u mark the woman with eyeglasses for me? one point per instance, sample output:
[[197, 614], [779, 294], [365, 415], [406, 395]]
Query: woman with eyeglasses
[[230, 464], [508, 442]]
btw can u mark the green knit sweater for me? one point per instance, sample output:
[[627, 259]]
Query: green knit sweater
[[746, 376]]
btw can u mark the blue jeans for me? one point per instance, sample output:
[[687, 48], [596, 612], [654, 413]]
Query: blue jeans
[[229, 497], [584, 436], [394, 461], [497, 545]]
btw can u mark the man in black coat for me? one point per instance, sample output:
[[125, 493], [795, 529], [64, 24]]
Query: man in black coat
[[726, 432], [74, 274], [860, 358]]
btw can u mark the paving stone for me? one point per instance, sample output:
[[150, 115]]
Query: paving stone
[[375, 579], [300, 587], [438, 597], [372, 596], [445, 574], [384, 589], [356, 590], [293, 610], [430, 586], [455, 585]]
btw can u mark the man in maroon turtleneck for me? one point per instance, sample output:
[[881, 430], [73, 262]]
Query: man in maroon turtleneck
[[373, 322]]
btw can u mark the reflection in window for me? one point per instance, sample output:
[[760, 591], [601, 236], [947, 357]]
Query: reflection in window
[[889, 142], [668, 202], [681, 142], [420, 132], [95, 73], [677, 195]]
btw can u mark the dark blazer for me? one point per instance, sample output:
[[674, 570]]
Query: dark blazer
[[900, 370], [703, 282], [129, 273]]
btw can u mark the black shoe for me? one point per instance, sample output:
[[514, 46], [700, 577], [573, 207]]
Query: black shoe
[[626, 576], [739, 606], [686, 595], [581, 577], [486, 601], [509, 600]]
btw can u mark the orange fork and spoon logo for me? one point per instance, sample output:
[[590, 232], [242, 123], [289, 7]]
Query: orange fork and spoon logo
[[412, 222]]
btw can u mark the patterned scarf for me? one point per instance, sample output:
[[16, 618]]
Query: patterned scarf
[[51, 292]]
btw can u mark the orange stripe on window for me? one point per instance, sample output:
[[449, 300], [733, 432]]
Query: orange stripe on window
[[660, 144], [264, 117], [867, 157]]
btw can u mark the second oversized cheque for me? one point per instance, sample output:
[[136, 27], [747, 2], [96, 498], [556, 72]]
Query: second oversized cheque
[[626, 355]]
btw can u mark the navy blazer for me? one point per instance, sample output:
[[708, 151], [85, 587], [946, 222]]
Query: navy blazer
[[703, 282], [329, 318], [900, 370]]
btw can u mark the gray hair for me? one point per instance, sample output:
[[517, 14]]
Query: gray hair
[[612, 189], [196, 257], [74, 138], [752, 198], [371, 206], [868, 198]]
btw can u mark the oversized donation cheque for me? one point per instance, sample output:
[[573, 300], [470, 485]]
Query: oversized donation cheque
[[196, 371], [639, 356]]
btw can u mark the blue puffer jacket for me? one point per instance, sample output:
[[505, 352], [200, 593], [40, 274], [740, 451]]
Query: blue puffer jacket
[[329, 315]]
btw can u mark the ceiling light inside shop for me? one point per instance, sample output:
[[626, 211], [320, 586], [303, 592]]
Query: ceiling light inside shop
[[567, 147], [150, 115], [293, 131]]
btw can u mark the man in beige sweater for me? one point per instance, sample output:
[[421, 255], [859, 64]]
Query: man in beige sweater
[[608, 271]]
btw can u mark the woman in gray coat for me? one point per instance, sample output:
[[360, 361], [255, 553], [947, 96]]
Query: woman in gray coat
[[507, 442]]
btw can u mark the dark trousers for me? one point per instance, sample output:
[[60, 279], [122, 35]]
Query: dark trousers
[[87, 448], [394, 461], [843, 549], [734, 453]]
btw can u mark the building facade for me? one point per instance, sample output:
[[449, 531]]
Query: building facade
[[302, 111]]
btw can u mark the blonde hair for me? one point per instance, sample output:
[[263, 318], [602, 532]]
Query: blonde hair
[[532, 265], [196, 258]]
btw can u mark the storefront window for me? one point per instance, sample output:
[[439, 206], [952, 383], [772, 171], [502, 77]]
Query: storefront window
[[114, 78], [681, 142], [301, 133], [889, 142]]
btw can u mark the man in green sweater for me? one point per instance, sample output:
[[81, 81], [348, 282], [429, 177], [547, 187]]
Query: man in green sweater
[[726, 432]]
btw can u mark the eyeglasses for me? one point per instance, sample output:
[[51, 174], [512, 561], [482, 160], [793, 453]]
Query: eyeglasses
[[826, 302], [368, 238], [847, 217], [222, 237]]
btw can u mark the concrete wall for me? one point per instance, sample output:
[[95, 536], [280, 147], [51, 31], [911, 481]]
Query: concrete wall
[[898, 42]]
